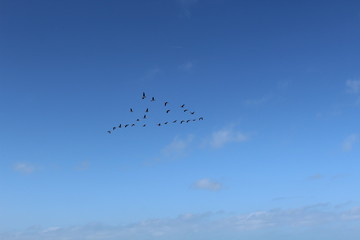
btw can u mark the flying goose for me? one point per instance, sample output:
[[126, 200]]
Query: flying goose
[[143, 97], [109, 132], [167, 111], [166, 103]]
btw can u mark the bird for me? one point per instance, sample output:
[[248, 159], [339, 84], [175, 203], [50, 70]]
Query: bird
[[114, 128], [159, 124], [182, 105], [144, 125], [147, 110], [185, 110], [109, 132], [167, 111], [137, 120], [126, 125], [120, 126], [188, 121], [131, 110], [192, 113], [165, 122], [166, 103], [145, 116], [144, 96], [201, 118], [194, 120], [133, 124], [174, 121], [152, 99], [182, 121]]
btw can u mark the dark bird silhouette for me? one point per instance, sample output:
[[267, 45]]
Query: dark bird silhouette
[[174, 121], [182, 105], [152, 99], [137, 120], [133, 124], [201, 118], [192, 113], [131, 110], [194, 120], [188, 121], [147, 110], [144, 96], [144, 125], [114, 128], [159, 124], [109, 132], [167, 111], [166, 103], [126, 125], [186, 110], [120, 126], [166, 123], [182, 121], [145, 116]]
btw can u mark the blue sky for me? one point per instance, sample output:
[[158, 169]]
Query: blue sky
[[276, 157]]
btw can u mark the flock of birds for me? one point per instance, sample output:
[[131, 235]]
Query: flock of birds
[[145, 117]]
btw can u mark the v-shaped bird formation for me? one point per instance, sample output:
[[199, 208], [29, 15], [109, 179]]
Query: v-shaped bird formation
[[141, 117]]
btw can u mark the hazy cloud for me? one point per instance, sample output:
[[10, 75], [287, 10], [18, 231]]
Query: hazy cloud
[[24, 168], [208, 184], [349, 142], [203, 225], [353, 86], [228, 135], [177, 147]]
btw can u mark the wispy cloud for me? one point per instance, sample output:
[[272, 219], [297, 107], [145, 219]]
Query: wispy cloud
[[24, 168], [353, 86], [208, 184], [316, 177], [349, 142], [188, 66], [227, 135], [257, 101], [203, 225], [177, 147]]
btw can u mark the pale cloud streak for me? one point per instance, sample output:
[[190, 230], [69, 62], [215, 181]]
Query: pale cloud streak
[[349, 142], [24, 168], [208, 184]]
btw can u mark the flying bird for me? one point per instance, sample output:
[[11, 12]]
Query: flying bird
[[167, 111], [120, 126], [126, 125], [137, 120], [143, 97], [166, 123], [194, 120], [109, 132], [188, 121], [152, 99], [201, 118], [174, 121], [159, 124], [147, 110], [133, 124], [185, 110], [145, 116], [192, 113], [131, 110], [166, 103], [144, 125], [182, 105], [114, 128], [182, 121]]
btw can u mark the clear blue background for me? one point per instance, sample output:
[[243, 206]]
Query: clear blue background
[[275, 71]]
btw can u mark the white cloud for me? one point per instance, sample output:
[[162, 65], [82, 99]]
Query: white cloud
[[353, 86], [177, 147], [349, 142], [206, 225], [224, 136], [24, 168], [208, 184]]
